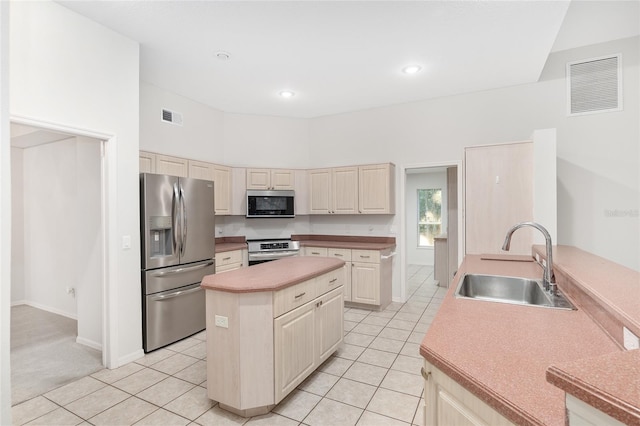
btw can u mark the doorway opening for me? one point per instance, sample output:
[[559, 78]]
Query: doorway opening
[[58, 258], [431, 221]]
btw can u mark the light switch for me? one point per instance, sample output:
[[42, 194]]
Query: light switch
[[222, 321], [126, 242]]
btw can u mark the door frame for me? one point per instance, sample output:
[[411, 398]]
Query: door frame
[[403, 215], [108, 184]]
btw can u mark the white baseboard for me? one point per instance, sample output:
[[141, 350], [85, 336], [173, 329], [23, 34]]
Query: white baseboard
[[50, 309], [18, 302], [90, 343], [130, 358]]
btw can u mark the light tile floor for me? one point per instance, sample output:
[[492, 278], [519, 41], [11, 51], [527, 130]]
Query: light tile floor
[[373, 379]]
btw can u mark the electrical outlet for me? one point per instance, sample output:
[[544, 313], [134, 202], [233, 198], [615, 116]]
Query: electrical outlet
[[222, 321]]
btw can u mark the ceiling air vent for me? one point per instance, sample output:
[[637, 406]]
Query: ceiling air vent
[[171, 117], [594, 85]]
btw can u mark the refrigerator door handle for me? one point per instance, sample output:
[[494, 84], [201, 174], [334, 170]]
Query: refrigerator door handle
[[175, 294], [183, 206], [175, 218], [181, 270]]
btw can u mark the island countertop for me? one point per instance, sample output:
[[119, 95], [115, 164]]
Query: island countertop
[[501, 352], [271, 276]]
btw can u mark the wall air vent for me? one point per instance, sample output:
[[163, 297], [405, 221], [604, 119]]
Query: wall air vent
[[594, 85], [171, 117]]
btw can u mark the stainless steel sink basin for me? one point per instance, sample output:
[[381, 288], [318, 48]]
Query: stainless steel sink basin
[[514, 290]]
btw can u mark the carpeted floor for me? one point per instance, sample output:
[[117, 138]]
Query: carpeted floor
[[44, 353]]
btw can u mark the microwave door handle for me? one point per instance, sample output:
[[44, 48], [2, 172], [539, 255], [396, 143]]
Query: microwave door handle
[[183, 215], [175, 218]]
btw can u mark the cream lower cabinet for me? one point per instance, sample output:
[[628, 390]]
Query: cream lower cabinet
[[230, 260], [261, 345], [304, 338], [368, 274], [371, 277], [448, 403]]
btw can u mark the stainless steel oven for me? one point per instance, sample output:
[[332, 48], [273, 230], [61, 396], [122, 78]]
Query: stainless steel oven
[[261, 251]]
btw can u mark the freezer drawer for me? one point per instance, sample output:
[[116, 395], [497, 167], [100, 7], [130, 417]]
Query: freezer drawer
[[164, 279], [172, 315]]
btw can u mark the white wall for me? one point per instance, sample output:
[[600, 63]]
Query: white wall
[[68, 70], [422, 255], [50, 220], [17, 226], [199, 138], [597, 154], [263, 141]]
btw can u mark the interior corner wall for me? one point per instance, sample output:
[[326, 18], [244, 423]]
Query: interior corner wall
[[422, 255], [17, 226], [597, 167], [70, 71]]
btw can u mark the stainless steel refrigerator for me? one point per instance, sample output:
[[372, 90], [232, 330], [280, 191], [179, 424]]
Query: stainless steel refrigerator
[[178, 248]]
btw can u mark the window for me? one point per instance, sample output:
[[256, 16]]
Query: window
[[429, 216]]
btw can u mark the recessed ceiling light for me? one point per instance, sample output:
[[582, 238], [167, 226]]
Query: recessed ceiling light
[[411, 69], [223, 56], [287, 94]]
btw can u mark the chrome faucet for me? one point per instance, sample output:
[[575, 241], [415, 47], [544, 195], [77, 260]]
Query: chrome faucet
[[548, 279]]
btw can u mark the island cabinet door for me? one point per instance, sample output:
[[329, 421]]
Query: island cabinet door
[[329, 323], [295, 348]]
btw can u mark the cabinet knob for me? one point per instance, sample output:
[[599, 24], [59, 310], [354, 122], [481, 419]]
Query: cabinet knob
[[425, 374]]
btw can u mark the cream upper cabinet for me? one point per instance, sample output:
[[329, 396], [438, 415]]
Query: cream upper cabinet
[[344, 190], [270, 179], [448, 403], [174, 166], [222, 185], [498, 195], [376, 189], [221, 177], [333, 191], [320, 191], [238, 191], [147, 162]]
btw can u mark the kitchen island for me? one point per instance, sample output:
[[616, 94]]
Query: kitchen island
[[269, 326], [510, 364]]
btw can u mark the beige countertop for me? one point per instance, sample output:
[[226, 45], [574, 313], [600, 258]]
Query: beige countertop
[[271, 276], [501, 352], [346, 241]]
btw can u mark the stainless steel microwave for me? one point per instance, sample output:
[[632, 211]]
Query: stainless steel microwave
[[277, 203]]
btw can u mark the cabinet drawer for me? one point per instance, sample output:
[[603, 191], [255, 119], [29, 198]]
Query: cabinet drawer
[[369, 256], [342, 254], [315, 251], [228, 258], [291, 297], [329, 281], [228, 267]]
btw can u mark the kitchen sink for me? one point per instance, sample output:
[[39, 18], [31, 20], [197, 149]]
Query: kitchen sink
[[514, 290]]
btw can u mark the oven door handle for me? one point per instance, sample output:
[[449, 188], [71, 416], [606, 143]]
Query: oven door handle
[[272, 255]]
